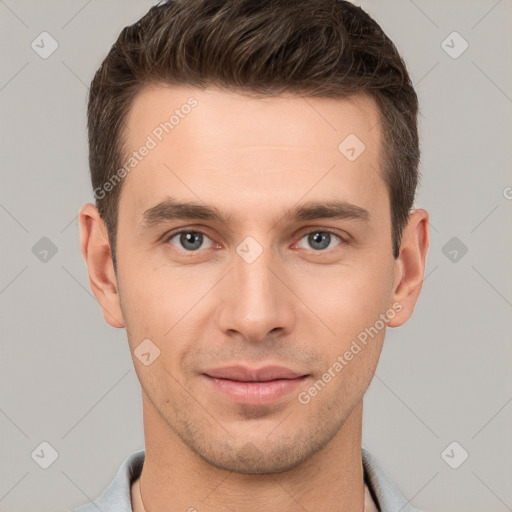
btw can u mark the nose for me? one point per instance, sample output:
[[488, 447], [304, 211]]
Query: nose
[[255, 301]]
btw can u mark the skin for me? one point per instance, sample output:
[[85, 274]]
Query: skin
[[296, 305]]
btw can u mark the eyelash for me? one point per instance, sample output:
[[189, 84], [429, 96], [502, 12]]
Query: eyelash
[[343, 241]]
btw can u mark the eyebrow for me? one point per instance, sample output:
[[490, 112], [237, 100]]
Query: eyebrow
[[171, 209]]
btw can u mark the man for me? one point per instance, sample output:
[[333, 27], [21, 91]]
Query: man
[[254, 166]]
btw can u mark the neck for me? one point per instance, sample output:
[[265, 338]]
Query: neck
[[175, 478]]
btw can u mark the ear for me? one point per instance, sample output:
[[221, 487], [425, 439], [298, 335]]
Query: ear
[[95, 247], [410, 266]]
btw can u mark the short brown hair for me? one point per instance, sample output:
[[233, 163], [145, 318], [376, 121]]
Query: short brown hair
[[323, 48]]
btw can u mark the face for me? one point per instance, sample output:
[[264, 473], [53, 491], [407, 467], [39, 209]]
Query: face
[[286, 261]]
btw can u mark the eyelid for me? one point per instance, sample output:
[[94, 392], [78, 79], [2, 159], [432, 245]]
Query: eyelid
[[323, 229], [184, 229]]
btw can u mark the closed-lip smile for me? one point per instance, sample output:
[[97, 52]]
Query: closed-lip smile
[[254, 386]]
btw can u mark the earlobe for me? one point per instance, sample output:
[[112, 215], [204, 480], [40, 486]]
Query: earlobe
[[95, 247], [410, 266]]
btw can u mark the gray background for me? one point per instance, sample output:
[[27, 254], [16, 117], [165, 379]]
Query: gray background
[[67, 377]]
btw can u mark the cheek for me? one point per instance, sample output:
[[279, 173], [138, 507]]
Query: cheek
[[350, 295], [349, 301], [164, 305], [157, 297]]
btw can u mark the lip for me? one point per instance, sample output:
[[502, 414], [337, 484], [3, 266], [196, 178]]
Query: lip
[[245, 374], [255, 387]]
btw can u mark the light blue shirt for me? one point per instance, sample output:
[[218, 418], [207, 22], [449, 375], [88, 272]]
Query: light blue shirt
[[117, 496]]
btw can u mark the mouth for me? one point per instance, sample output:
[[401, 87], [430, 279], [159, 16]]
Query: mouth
[[247, 374], [254, 387]]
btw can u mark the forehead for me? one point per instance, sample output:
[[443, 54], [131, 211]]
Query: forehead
[[214, 143], [295, 120]]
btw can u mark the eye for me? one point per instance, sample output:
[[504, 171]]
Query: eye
[[320, 239], [189, 240]]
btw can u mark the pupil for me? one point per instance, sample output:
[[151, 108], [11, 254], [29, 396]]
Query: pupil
[[320, 237], [193, 239]]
